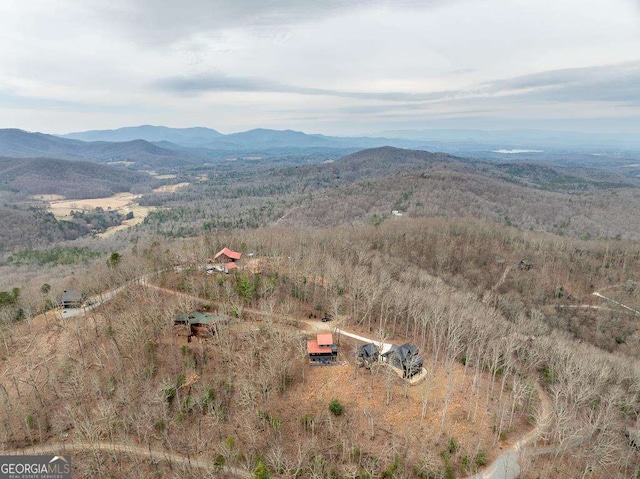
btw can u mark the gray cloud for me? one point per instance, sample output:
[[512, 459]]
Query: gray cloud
[[611, 83], [338, 65], [607, 83], [223, 83], [20, 102], [160, 22]]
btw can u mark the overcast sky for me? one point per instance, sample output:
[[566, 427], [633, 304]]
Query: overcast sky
[[335, 67]]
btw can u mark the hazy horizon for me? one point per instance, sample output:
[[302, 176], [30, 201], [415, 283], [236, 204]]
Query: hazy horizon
[[338, 68]]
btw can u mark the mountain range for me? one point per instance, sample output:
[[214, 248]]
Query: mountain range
[[433, 139], [251, 140], [157, 147], [22, 144], [160, 147], [195, 137]]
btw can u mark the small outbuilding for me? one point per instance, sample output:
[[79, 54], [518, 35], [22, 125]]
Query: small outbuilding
[[368, 355], [406, 358], [525, 264], [202, 325], [71, 299]]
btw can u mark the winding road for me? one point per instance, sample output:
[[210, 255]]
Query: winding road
[[505, 466], [62, 448], [92, 303], [616, 302]]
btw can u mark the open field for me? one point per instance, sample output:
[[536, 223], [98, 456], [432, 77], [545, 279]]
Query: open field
[[119, 201], [158, 176], [48, 197], [139, 214], [121, 163], [170, 188], [124, 203]]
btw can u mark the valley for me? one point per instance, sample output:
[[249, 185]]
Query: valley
[[61, 208], [124, 203], [515, 280], [320, 240]]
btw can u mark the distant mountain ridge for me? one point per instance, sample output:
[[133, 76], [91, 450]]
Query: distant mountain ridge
[[251, 140], [265, 138], [196, 136], [169, 154], [158, 147], [435, 139], [22, 144], [386, 157]]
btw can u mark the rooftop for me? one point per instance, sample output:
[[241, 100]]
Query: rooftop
[[228, 253], [314, 348], [324, 339], [70, 295], [199, 318]]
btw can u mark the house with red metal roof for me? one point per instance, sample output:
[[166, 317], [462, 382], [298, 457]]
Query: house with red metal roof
[[224, 261], [322, 351], [226, 255]]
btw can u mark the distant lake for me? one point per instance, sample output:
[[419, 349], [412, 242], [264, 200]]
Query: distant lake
[[513, 152]]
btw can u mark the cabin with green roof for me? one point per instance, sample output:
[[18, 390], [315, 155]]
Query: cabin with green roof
[[202, 325]]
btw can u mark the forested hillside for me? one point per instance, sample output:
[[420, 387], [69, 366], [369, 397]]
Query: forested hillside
[[71, 179], [517, 281], [367, 186], [31, 226], [246, 401]]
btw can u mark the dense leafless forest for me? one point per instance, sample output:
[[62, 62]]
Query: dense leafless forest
[[335, 239], [518, 283], [361, 188], [367, 186]]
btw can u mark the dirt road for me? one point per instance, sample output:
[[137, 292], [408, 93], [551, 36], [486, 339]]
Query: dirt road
[[92, 303], [506, 464], [153, 455], [616, 302], [504, 467], [502, 279]]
